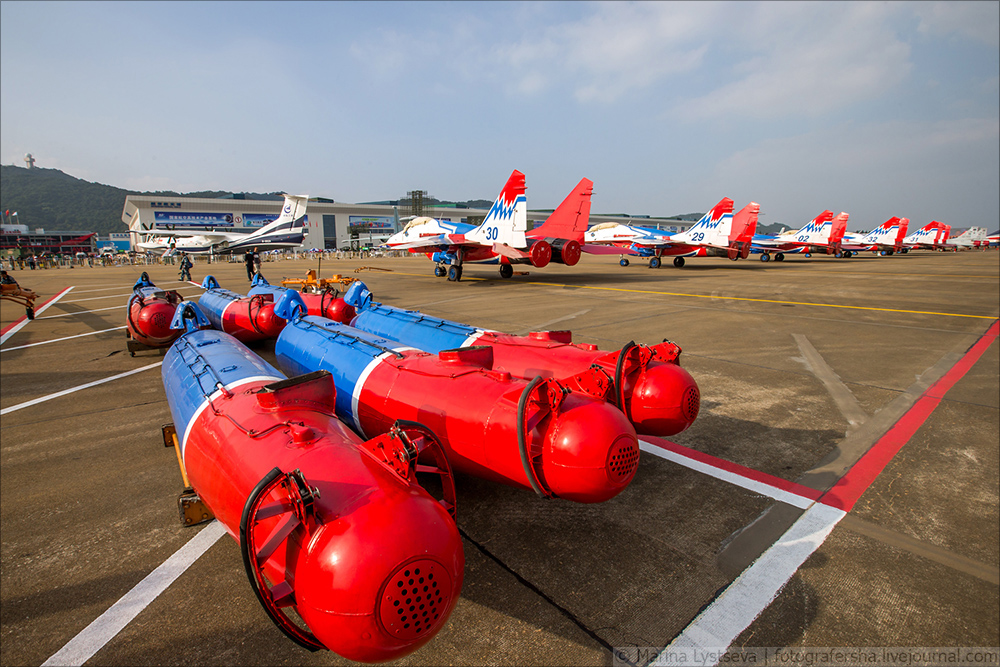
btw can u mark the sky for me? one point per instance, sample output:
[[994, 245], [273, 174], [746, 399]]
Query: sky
[[877, 109]]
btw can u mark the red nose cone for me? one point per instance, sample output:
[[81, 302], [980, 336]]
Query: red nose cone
[[269, 324], [592, 451], [381, 580], [339, 311], [153, 322], [664, 401]]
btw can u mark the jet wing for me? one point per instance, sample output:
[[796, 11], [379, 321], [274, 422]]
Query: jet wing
[[433, 242], [602, 249], [211, 237]]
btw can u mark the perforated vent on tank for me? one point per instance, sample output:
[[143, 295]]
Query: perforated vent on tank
[[691, 403], [623, 459], [414, 599]]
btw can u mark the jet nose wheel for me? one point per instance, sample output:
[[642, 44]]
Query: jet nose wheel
[[678, 262], [454, 273], [654, 263], [506, 270], [440, 271], [623, 262]]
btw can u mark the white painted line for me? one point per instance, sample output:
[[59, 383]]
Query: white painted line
[[715, 628], [100, 289], [95, 298], [755, 486], [56, 340], [36, 401], [79, 312], [41, 309], [93, 638]]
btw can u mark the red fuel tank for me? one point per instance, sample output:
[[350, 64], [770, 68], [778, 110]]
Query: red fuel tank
[[149, 312], [332, 527], [245, 318], [535, 434]]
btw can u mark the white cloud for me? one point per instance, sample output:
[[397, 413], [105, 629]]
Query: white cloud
[[918, 169], [807, 59], [618, 48], [979, 21]]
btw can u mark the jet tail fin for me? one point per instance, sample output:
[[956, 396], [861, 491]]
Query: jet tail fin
[[293, 216], [839, 228], [817, 230], [713, 228], [745, 223], [507, 219], [901, 234], [570, 219]]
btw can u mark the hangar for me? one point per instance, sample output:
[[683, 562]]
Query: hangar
[[329, 225]]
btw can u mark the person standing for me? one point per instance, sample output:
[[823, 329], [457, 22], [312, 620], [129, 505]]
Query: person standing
[[248, 259], [186, 265]]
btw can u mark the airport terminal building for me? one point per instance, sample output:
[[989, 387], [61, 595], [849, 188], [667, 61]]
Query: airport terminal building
[[329, 225]]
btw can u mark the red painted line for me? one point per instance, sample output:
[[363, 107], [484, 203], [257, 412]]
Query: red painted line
[[37, 310], [846, 492], [735, 468]]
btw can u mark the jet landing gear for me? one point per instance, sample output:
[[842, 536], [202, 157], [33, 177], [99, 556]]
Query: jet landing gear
[[780, 257], [440, 271], [455, 273], [654, 262], [678, 262], [506, 270], [622, 262]]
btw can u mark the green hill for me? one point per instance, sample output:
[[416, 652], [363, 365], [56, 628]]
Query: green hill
[[52, 200]]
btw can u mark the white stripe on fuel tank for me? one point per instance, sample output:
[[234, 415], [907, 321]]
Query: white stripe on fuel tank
[[362, 377], [268, 379], [476, 335], [222, 316]]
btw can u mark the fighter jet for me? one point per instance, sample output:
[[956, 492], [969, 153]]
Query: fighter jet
[[717, 234], [503, 237], [822, 234], [885, 239], [928, 237]]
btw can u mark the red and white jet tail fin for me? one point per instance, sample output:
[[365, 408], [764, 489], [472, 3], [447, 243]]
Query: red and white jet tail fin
[[507, 219], [570, 219], [817, 230], [713, 228]]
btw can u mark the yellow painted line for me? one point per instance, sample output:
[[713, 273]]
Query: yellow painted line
[[732, 298], [890, 275]]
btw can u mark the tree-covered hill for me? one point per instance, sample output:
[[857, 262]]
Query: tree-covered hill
[[52, 200]]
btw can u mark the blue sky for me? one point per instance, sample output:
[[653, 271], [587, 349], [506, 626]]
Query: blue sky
[[877, 109]]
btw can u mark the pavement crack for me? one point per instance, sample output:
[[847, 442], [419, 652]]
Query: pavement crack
[[536, 590]]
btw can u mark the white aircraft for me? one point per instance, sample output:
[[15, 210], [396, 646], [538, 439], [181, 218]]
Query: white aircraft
[[973, 237], [286, 231]]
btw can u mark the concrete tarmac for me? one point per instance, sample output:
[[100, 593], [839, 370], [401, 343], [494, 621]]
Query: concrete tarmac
[[803, 366]]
